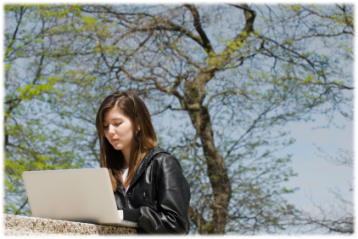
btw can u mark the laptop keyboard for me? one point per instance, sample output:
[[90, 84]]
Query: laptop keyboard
[[129, 223], [124, 221]]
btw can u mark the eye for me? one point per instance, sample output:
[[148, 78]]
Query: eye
[[105, 126], [117, 124]]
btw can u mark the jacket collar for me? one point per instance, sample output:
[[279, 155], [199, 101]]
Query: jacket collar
[[146, 160]]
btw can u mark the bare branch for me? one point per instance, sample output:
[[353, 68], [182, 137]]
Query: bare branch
[[206, 42]]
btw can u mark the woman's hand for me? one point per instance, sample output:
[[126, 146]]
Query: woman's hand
[[120, 213]]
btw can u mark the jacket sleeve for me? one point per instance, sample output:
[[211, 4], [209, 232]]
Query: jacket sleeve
[[173, 195]]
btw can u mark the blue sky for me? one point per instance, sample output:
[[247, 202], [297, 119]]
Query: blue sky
[[317, 178]]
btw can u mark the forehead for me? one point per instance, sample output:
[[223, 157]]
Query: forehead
[[113, 114]]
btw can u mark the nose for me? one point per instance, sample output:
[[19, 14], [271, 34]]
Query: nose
[[110, 129]]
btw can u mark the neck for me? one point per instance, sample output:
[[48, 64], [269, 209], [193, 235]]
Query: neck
[[126, 153]]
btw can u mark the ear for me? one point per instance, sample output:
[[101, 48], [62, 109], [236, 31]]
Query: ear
[[138, 126]]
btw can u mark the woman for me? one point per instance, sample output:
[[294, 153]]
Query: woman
[[148, 184]]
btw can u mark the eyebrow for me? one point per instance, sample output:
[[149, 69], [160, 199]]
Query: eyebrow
[[113, 119]]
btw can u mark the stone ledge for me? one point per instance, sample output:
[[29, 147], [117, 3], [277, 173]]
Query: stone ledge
[[15, 225]]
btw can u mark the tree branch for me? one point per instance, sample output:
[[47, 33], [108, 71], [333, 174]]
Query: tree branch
[[197, 24]]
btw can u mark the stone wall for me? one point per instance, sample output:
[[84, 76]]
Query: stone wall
[[15, 225]]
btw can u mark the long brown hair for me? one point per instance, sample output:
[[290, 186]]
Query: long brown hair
[[134, 108]]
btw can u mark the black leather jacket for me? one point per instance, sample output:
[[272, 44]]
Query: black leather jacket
[[158, 195]]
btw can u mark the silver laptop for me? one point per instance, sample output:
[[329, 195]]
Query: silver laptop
[[81, 195]]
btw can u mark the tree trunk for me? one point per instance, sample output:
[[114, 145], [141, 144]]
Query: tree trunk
[[216, 169]]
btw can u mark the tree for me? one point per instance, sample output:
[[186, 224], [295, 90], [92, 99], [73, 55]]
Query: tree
[[234, 83], [233, 71], [28, 141]]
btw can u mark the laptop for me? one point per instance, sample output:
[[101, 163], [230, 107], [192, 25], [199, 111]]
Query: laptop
[[80, 195]]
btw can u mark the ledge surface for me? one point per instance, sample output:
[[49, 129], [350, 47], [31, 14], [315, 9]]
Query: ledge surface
[[15, 225]]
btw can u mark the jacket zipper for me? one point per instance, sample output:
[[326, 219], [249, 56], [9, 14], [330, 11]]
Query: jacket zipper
[[142, 171], [125, 198], [135, 180]]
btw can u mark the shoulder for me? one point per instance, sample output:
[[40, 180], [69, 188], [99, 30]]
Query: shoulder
[[160, 155], [168, 173], [165, 158]]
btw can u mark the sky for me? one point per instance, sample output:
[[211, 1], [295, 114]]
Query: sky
[[318, 179]]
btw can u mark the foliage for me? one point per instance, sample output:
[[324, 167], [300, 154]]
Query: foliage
[[32, 139], [230, 75]]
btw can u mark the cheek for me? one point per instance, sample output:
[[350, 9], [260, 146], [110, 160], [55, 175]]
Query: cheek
[[127, 129], [129, 134]]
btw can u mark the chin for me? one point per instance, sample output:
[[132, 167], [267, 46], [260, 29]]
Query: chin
[[117, 147]]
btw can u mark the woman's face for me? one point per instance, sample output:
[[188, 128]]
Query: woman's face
[[118, 129]]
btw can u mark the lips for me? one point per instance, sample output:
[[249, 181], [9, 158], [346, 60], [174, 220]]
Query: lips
[[114, 140]]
